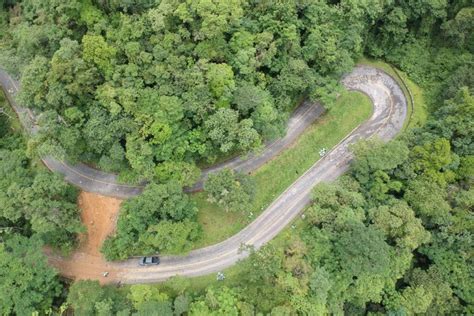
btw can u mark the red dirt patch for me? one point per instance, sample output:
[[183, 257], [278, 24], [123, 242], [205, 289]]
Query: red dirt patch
[[99, 215]]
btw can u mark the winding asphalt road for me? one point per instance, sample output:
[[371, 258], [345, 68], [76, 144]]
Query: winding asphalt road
[[390, 109], [93, 180]]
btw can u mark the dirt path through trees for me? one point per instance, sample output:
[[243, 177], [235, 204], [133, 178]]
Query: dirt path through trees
[[99, 215]]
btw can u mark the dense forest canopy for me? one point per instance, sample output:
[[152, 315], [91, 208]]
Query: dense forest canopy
[[151, 88], [148, 86]]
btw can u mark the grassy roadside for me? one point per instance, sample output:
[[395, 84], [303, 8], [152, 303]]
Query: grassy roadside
[[222, 158], [223, 223], [198, 284], [233, 274], [417, 112], [351, 109]]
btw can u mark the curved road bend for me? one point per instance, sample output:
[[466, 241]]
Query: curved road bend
[[93, 180], [389, 113]]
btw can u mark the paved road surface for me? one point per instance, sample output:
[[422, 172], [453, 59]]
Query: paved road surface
[[387, 120], [93, 180]]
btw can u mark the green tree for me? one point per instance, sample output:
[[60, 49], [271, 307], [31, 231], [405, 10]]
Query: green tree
[[428, 200], [181, 304], [33, 82], [222, 301], [43, 199], [96, 50], [432, 160], [27, 283], [169, 237], [84, 295], [88, 297], [412, 300], [227, 133], [460, 29], [213, 19], [247, 97], [372, 156], [146, 221], [398, 222], [234, 191], [186, 174], [260, 278], [142, 293], [221, 83], [453, 121]]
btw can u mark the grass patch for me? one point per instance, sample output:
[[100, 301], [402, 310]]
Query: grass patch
[[420, 114], [417, 112], [351, 109], [216, 223]]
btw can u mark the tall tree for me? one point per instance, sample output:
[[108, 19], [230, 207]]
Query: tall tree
[[233, 191], [27, 283]]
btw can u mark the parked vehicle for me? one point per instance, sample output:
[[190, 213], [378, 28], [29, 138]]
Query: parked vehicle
[[149, 261]]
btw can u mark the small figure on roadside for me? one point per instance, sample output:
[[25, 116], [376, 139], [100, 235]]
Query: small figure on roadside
[[220, 276], [322, 152], [105, 274]]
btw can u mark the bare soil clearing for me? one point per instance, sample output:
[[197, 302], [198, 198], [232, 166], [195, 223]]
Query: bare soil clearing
[[99, 215]]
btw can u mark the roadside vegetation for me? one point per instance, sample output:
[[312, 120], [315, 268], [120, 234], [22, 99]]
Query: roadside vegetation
[[147, 90], [388, 233], [33, 201], [224, 208], [150, 88], [161, 219], [349, 110], [36, 208]]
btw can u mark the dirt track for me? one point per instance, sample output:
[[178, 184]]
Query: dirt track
[[99, 215]]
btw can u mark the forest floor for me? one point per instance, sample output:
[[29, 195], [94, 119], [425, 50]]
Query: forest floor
[[99, 216]]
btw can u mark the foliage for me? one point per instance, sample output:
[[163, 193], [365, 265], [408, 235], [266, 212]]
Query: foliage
[[149, 86], [41, 198], [393, 236], [89, 298], [275, 176], [27, 283], [232, 190], [216, 302], [36, 207], [34, 201], [161, 219]]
